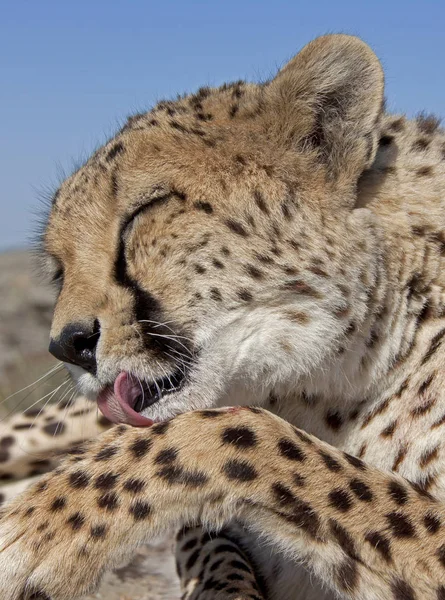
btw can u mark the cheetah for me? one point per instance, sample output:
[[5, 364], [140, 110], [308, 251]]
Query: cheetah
[[251, 289]]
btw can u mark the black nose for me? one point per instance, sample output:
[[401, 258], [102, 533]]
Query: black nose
[[77, 345]]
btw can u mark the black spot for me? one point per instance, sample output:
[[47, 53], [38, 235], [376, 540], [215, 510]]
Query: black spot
[[254, 272], [344, 539], [334, 420], [235, 577], [178, 126], [236, 227], [380, 543], [237, 564], [283, 495], [98, 531], [135, 486], [33, 412], [215, 294], [106, 481], [340, 499], [346, 575], [58, 504], [140, 510], [426, 384], [354, 461], [401, 590], [114, 151], [216, 564], [7, 441], [241, 437], [211, 584], [441, 555], [140, 447], [160, 428], [191, 561], [389, 430], [79, 479], [204, 206], [233, 110], [239, 470], [291, 451], [441, 593], [22, 426], [431, 522], [76, 521], [298, 479], [398, 492], [303, 436], [386, 140], [260, 202], [361, 490], [245, 295], [176, 474], [109, 501], [56, 428], [218, 264], [331, 463], [205, 538], [41, 486], [209, 414], [106, 453], [434, 345], [199, 269], [420, 144], [400, 525], [166, 456], [302, 514], [189, 545]]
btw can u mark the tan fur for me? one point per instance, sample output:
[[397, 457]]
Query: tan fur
[[291, 250]]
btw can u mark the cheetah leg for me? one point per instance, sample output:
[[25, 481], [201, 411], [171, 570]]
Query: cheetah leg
[[213, 567], [32, 442], [365, 533]]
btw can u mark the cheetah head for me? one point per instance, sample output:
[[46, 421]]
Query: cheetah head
[[215, 249]]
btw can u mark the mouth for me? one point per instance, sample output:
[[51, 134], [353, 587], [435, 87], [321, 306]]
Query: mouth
[[128, 397]]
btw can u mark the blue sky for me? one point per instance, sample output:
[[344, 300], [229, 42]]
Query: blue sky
[[71, 71]]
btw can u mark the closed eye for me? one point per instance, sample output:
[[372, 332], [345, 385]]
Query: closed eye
[[140, 209], [120, 267]]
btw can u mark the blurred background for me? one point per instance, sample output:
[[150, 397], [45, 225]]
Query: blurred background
[[70, 72]]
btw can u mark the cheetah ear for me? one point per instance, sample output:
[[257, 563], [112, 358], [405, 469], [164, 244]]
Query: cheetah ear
[[328, 100]]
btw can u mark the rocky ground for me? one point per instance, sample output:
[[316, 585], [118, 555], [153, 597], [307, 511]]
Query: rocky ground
[[25, 315]]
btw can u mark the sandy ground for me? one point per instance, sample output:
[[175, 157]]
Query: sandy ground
[[25, 315]]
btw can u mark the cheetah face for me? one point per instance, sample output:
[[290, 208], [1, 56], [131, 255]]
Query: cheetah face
[[201, 253]]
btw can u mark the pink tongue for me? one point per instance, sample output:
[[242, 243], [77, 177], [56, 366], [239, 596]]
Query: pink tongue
[[117, 405]]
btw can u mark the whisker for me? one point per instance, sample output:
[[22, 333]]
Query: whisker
[[68, 405], [179, 362], [159, 324], [13, 410], [50, 396], [47, 374], [168, 337]]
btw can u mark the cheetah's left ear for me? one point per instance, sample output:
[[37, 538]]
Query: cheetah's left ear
[[328, 100]]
